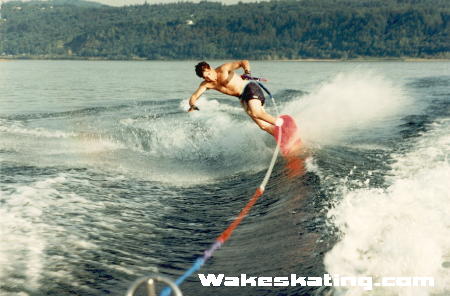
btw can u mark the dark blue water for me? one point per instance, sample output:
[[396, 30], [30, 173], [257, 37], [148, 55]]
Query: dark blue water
[[105, 178]]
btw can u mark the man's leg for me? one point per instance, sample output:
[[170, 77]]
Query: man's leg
[[264, 125], [257, 111]]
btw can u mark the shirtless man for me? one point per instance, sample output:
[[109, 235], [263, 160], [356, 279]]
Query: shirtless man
[[224, 79]]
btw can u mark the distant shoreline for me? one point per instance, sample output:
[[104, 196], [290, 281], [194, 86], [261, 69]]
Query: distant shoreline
[[365, 59], [368, 60]]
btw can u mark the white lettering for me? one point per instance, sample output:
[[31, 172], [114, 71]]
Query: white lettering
[[295, 280], [327, 280], [231, 281], [346, 279], [265, 281], [314, 281], [365, 282], [211, 279], [423, 282], [388, 282], [251, 280], [281, 281], [403, 282]]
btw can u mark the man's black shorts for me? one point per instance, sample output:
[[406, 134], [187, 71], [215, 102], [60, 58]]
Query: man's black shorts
[[253, 91]]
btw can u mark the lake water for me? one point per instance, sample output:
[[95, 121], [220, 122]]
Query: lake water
[[105, 177]]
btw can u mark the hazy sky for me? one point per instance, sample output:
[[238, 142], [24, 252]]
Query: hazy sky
[[128, 2]]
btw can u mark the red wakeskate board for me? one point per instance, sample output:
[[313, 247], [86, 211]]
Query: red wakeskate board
[[287, 133], [287, 129]]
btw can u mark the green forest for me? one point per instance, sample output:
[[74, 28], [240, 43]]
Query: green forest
[[284, 29]]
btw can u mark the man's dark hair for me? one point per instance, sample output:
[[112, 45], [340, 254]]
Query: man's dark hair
[[200, 67]]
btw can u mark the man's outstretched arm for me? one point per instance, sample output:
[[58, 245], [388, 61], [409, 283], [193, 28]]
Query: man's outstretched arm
[[200, 90]]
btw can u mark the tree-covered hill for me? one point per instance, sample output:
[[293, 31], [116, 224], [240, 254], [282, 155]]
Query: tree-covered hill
[[265, 30]]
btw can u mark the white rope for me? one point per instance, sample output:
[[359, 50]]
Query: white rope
[[275, 153]]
